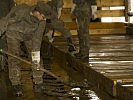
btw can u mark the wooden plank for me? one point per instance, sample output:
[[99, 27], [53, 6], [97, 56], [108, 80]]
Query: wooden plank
[[107, 31], [97, 25], [111, 59], [105, 72], [29, 2], [67, 15], [117, 54], [68, 3], [99, 32], [101, 13], [111, 13], [123, 93], [109, 3], [100, 3]]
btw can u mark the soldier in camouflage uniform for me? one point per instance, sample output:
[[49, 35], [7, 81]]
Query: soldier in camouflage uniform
[[53, 22], [56, 6], [82, 11], [23, 24]]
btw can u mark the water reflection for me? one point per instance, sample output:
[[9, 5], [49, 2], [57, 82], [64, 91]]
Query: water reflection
[[81, 94], [74, 94]]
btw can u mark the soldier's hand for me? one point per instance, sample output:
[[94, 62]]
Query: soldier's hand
[[73, 8], [71, 48], [36, 59], [130, 14], [94, 11], [48, 20]]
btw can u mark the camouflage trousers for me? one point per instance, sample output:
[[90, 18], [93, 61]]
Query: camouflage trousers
[[14, 64], [83, 34]]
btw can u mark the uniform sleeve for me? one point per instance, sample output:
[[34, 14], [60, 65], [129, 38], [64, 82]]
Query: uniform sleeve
[[18, 13], [93, 2], [37, 36], [4, 21]]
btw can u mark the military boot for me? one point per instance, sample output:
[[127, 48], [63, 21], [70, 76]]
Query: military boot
[[83, 46], [17, 90], [70, 43], [83, 51], [39, 87], [82, 55]]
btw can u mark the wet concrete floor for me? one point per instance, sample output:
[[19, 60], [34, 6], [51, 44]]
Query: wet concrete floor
[[109, 66], [6, 92]]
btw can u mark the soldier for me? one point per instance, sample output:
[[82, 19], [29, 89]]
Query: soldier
[[53, 22], [56, 6], [82, 10], [24, 24]]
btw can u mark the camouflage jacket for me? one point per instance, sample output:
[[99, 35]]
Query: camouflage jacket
[[20, 20], [47, 10], [19, 24]]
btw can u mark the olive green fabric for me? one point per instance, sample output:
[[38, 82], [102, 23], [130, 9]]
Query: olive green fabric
[[21, 26]]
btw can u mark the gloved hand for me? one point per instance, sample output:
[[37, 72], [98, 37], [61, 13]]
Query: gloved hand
[[70, 44], [94, 11], [36, 59], [59, 12], [48, 20], [130, 14], [71, 48], [73, 7], [49, 35]]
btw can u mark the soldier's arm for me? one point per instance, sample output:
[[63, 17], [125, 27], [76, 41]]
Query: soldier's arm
[[10, 18], [73, 7], [3, 26], [4, 21], [37, 36], [36, 43]]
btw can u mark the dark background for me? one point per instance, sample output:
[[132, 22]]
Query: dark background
[[5, 7]]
